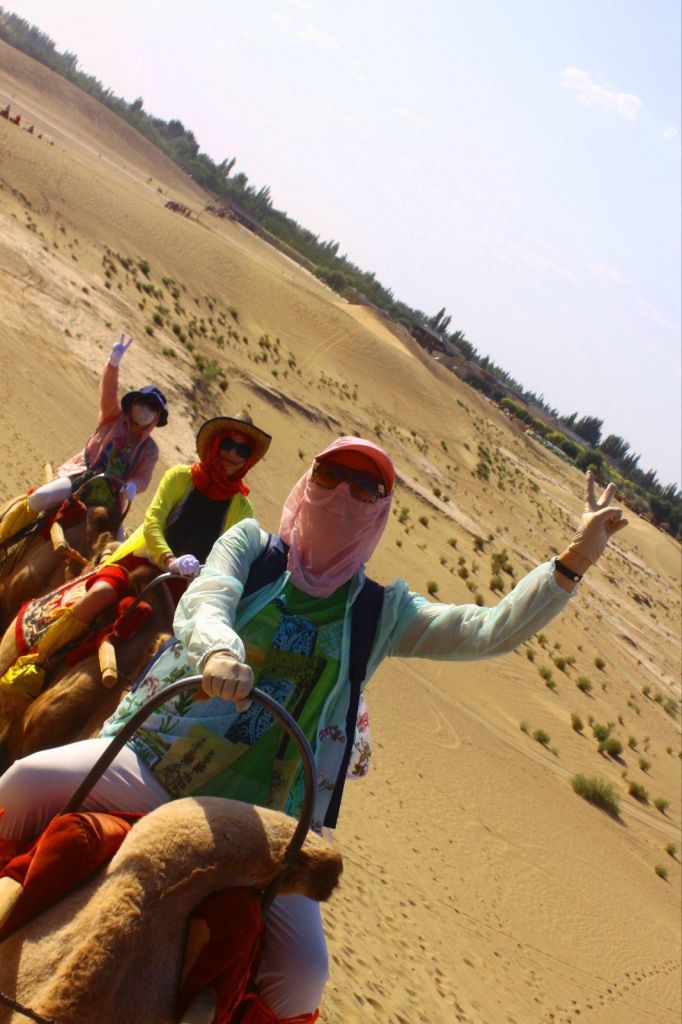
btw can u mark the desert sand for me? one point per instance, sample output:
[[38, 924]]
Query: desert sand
[[478, 886]]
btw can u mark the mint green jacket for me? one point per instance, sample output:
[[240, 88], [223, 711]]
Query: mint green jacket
[[211, 614]]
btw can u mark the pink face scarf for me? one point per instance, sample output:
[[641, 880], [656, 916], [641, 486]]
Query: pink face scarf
[[330, 534]]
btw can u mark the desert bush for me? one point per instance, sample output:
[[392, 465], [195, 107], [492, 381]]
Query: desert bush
[[542, 737], [424, 520], [671, 850], [661, 805], [662, 872], [584, 684], [599, 663], [560, 663], [600, 732], [496, 584], [646, 690], [524, 727], [637, 790], [613, 747], [530, 653], [432, 587], [577, 723], [632, 742], [644, 764], [598, 792], [544, 673]]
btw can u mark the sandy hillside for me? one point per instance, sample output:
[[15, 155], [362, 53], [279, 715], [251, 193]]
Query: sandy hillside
[[478, 886]]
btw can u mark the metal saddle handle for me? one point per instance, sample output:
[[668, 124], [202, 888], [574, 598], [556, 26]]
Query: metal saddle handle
[[280, 714]]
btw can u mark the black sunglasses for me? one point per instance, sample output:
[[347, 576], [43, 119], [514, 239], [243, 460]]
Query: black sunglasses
[[242, 449]]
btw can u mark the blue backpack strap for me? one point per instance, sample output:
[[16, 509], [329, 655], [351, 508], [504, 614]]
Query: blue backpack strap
[[268, 566], [365, 616]]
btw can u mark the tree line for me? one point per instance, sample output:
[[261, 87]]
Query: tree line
[[664, 504]]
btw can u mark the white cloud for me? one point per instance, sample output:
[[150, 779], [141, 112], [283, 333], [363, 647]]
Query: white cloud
[[603, 272], [411, 117], [307, 34], [591, 93], [670, 132]]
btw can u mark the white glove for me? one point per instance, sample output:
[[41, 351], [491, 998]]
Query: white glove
[[185, 565], [129, 490], [228, 678], [598, 524], [119, 350]]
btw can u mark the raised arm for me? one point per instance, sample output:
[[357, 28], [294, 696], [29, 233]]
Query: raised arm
[[108, 385], [466, 632]]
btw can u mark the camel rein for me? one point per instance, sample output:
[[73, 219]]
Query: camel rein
[[26, 1011]]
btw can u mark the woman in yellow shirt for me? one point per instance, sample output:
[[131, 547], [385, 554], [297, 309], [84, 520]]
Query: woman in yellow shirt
[[195, 504]]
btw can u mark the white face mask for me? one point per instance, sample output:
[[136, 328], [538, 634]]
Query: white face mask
[[142, 416]]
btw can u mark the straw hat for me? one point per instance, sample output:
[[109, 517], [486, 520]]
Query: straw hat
[[223, 424]]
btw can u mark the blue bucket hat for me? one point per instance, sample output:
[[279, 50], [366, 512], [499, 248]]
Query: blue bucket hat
[[150, 394]]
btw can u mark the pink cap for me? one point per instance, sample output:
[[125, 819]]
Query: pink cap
[[358, 444]]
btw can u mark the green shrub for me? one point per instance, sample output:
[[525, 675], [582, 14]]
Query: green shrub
[[560, 663], [424, 520], [671, 850], [662, 872], [600, 732], [632, 742], [540, 736], [530, 653], [577, 723], [432, 587], [524, 727], [584, 684], [661, 805], [644, 764], [600, 664], [598, 792], [637, 790], [613, 747], [496, 584]]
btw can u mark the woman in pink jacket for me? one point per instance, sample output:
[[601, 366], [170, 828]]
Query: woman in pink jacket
[[120, 447]]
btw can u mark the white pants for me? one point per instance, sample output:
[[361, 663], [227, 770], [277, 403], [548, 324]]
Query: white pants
[[50, 495], [293, 969]]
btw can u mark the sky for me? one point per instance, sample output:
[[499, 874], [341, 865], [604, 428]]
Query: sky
[[516, 162]]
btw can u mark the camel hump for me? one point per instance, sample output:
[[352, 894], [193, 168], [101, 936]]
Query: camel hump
[[239, 844]]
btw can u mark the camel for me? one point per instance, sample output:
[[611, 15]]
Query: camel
[[112, 950], [76, 701], [34, 567]]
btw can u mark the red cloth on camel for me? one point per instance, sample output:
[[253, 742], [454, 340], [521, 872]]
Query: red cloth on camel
[[74, 846], [123, 628]]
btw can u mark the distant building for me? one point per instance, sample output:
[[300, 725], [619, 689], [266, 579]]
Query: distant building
[[432, 341]]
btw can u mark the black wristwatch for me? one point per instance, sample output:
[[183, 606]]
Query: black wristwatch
[[565, 571]]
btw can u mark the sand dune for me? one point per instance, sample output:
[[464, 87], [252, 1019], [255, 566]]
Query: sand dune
[[478, 887]]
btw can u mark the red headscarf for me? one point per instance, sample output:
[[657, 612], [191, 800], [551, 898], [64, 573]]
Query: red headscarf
[[209, 478]]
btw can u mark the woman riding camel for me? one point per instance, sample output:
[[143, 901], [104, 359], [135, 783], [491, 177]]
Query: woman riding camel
[[192, 506], [121, 448], [291, 630]]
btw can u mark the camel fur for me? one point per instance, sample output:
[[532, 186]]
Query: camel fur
[[34, 567], [112, 950]]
